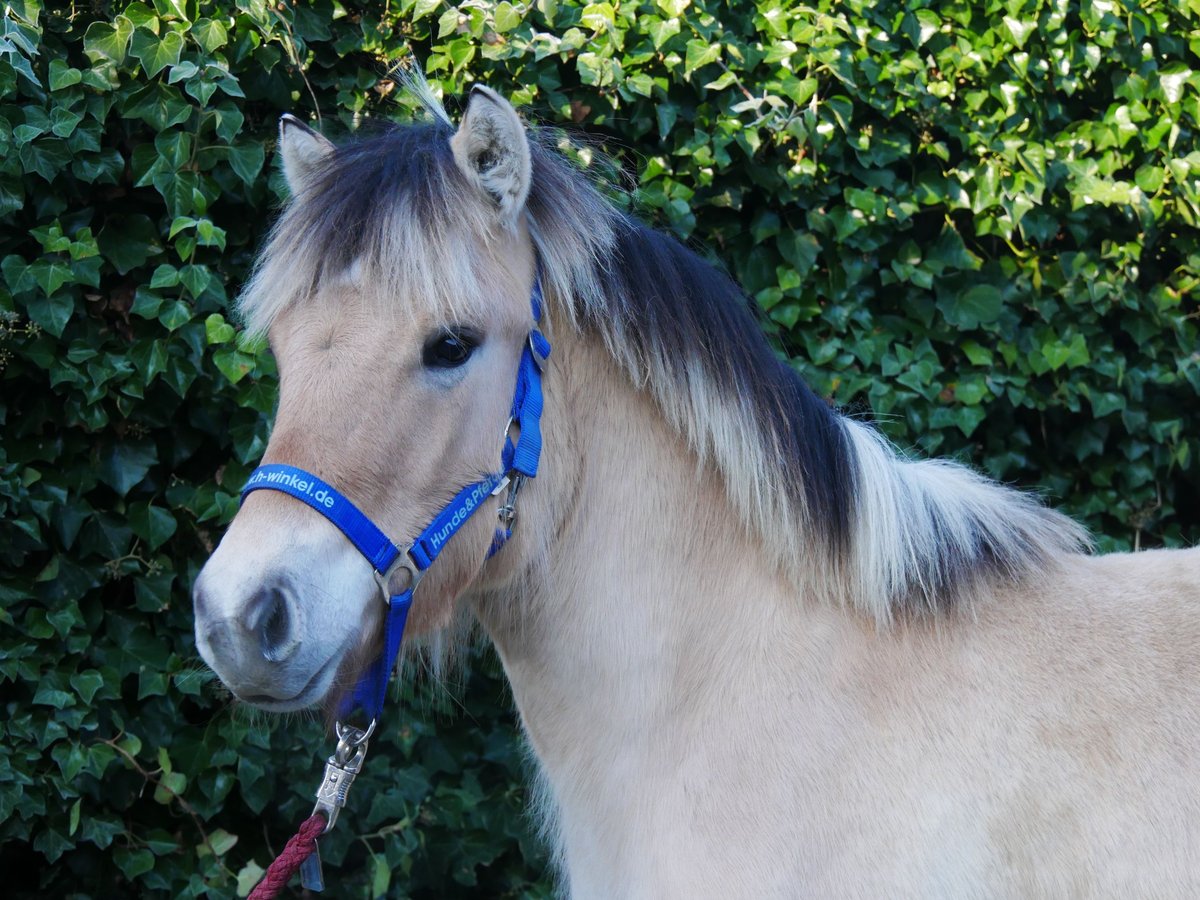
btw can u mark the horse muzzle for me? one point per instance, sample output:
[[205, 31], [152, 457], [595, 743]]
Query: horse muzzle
[[274, 630]]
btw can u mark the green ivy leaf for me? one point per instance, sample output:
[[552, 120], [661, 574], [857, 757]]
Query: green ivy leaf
[[217, 330], [248, 876], [134, 863], [210, 34], [1019, 30], [598, 16], [124, 464], [45, 157], [381, 877], [62, 75], [662, 30], [174, 314], [800, 250], [1150, 178], [51, 844], [52, 313], [128, 241], [978, 305], [156, 53], [86, 684], [506, 17], [233, 364], [152, 524], [700, 53], [183, 71], [247, 161], [159, 105], [222, 841], [673, 8], [49, 695], [104, 41], [164, 276], [229, 121]]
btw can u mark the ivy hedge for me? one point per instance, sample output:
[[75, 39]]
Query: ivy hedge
[[974, 221]]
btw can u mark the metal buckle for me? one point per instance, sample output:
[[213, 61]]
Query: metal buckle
[[508, 510], [340, 772], [341, 769], [403, 561]]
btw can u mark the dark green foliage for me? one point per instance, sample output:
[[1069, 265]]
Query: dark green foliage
[[974, 220]]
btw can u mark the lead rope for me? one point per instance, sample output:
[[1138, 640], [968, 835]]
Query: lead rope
[[300, 854], [301, 846]]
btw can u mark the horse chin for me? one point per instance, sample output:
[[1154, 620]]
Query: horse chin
[[315, 692], [353, 665]]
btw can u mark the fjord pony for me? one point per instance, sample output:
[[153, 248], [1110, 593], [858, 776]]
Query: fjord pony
[[756, 652]]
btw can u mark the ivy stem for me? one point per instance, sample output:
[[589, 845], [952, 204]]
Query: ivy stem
[[290, 44], [152, 778]]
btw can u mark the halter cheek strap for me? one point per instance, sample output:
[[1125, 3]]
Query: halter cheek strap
[[518, 461]]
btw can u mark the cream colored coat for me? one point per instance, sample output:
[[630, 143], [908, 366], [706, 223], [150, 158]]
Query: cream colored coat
[[714, 712]]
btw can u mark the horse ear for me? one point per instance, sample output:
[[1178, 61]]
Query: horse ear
[[303, 151], [492, 150]]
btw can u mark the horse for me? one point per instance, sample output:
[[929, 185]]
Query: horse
[[756, 651]]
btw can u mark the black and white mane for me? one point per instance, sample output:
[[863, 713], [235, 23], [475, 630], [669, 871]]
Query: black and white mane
[[840, 510]]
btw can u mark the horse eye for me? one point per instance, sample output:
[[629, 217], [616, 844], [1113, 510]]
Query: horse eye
[[448, 350]]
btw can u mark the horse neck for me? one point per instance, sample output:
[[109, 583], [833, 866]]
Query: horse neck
[[642, 590]]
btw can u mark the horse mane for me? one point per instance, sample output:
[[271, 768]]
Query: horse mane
[[838, 508]]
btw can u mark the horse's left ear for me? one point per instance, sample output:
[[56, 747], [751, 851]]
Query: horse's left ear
[[492, 150]]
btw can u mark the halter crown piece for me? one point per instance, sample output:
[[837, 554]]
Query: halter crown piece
[[518, 461]]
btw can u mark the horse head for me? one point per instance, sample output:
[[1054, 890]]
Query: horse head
[[395, 295]]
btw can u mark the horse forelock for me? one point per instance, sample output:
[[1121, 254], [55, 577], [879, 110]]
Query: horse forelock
[[391, 214], [836, 507]]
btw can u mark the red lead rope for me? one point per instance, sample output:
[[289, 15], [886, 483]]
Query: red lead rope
[[297, 850]]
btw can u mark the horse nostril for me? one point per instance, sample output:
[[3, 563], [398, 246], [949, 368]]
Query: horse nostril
[[275, 631], [270, 617]]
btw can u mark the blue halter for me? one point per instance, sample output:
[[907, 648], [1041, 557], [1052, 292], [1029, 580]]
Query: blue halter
[[518, 461]]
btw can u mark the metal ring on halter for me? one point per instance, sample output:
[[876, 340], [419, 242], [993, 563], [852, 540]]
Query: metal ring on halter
[[403, 561], [343, 731]]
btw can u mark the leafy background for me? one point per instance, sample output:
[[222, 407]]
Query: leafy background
[[975, 221]]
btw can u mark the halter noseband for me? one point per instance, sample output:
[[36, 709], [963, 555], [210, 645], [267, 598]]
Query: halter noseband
[[518, 461]]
